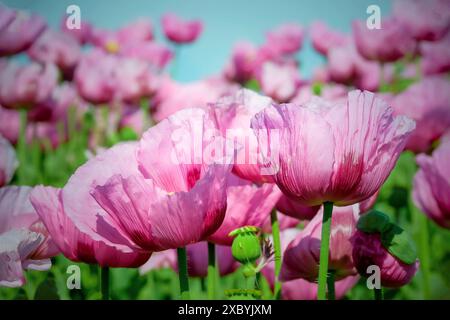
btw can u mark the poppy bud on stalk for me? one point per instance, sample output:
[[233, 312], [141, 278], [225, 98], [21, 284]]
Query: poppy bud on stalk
[[380, 242]]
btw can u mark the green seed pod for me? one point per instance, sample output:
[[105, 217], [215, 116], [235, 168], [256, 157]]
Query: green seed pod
[[246, 247], [243, 294]]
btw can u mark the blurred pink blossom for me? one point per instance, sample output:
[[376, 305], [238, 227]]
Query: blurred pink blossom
[[180, 31]]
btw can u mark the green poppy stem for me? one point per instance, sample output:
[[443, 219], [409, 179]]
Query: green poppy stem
[[330, 285], [378, 293], [211, 271], [183, 274], [424, 254], [324, 250], [277, 249], [105, 283]]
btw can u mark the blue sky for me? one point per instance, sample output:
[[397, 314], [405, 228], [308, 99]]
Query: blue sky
[[225, 22]]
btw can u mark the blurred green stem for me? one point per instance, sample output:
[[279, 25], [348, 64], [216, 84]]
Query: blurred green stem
[[183, 274], [423, 240], [424, 254], [211, 271], [105, 283], [277, 249], [378, 293], [330, 285], [324, 250]]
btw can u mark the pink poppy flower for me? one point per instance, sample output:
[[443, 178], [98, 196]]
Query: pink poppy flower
[[7, 16], [286, 39], [436, 56], [197, 260], [197, 257], [232, 115], [247, 205], [292, 208], [8, 161], [243, 63], [25, 243], [112, 41], [180, 31], [57, 48], [154, 53], [428, 103], [323, 38], [160, 260], [280, 82], [432, 185], [316, 161], [102, 78], [74, 244], [390, 43], [427, 20], [82, 35], [301, 258], [10, 124], [24, 86], [17, 34], [178, 201], [172, 96], [346, 66], [300, 289]]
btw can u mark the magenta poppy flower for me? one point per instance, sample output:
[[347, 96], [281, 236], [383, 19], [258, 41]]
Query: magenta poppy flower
[[428, 103], [25, 86], [436, 56], [138, 31], [286, 39], [301, 258], [7, 16], [293, 208], [18, 33], [243, 63], [426, 20], [390, 43], [300, 289], [172, 96], [8, 161], [432, 185], [160, 260], [346, 65], [102, 78], [315, 161], [232, 115], [197, 257], [279, 81], [57, 48], [25, 243], [323, 38], [368, 250], [180, 31], [10, 124], [74, 244], [82, 35], [154, 53], [173, 203], [247, 205], [197, 260]]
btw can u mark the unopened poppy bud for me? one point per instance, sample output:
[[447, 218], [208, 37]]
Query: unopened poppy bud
[[382, 243], [246, 247]]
